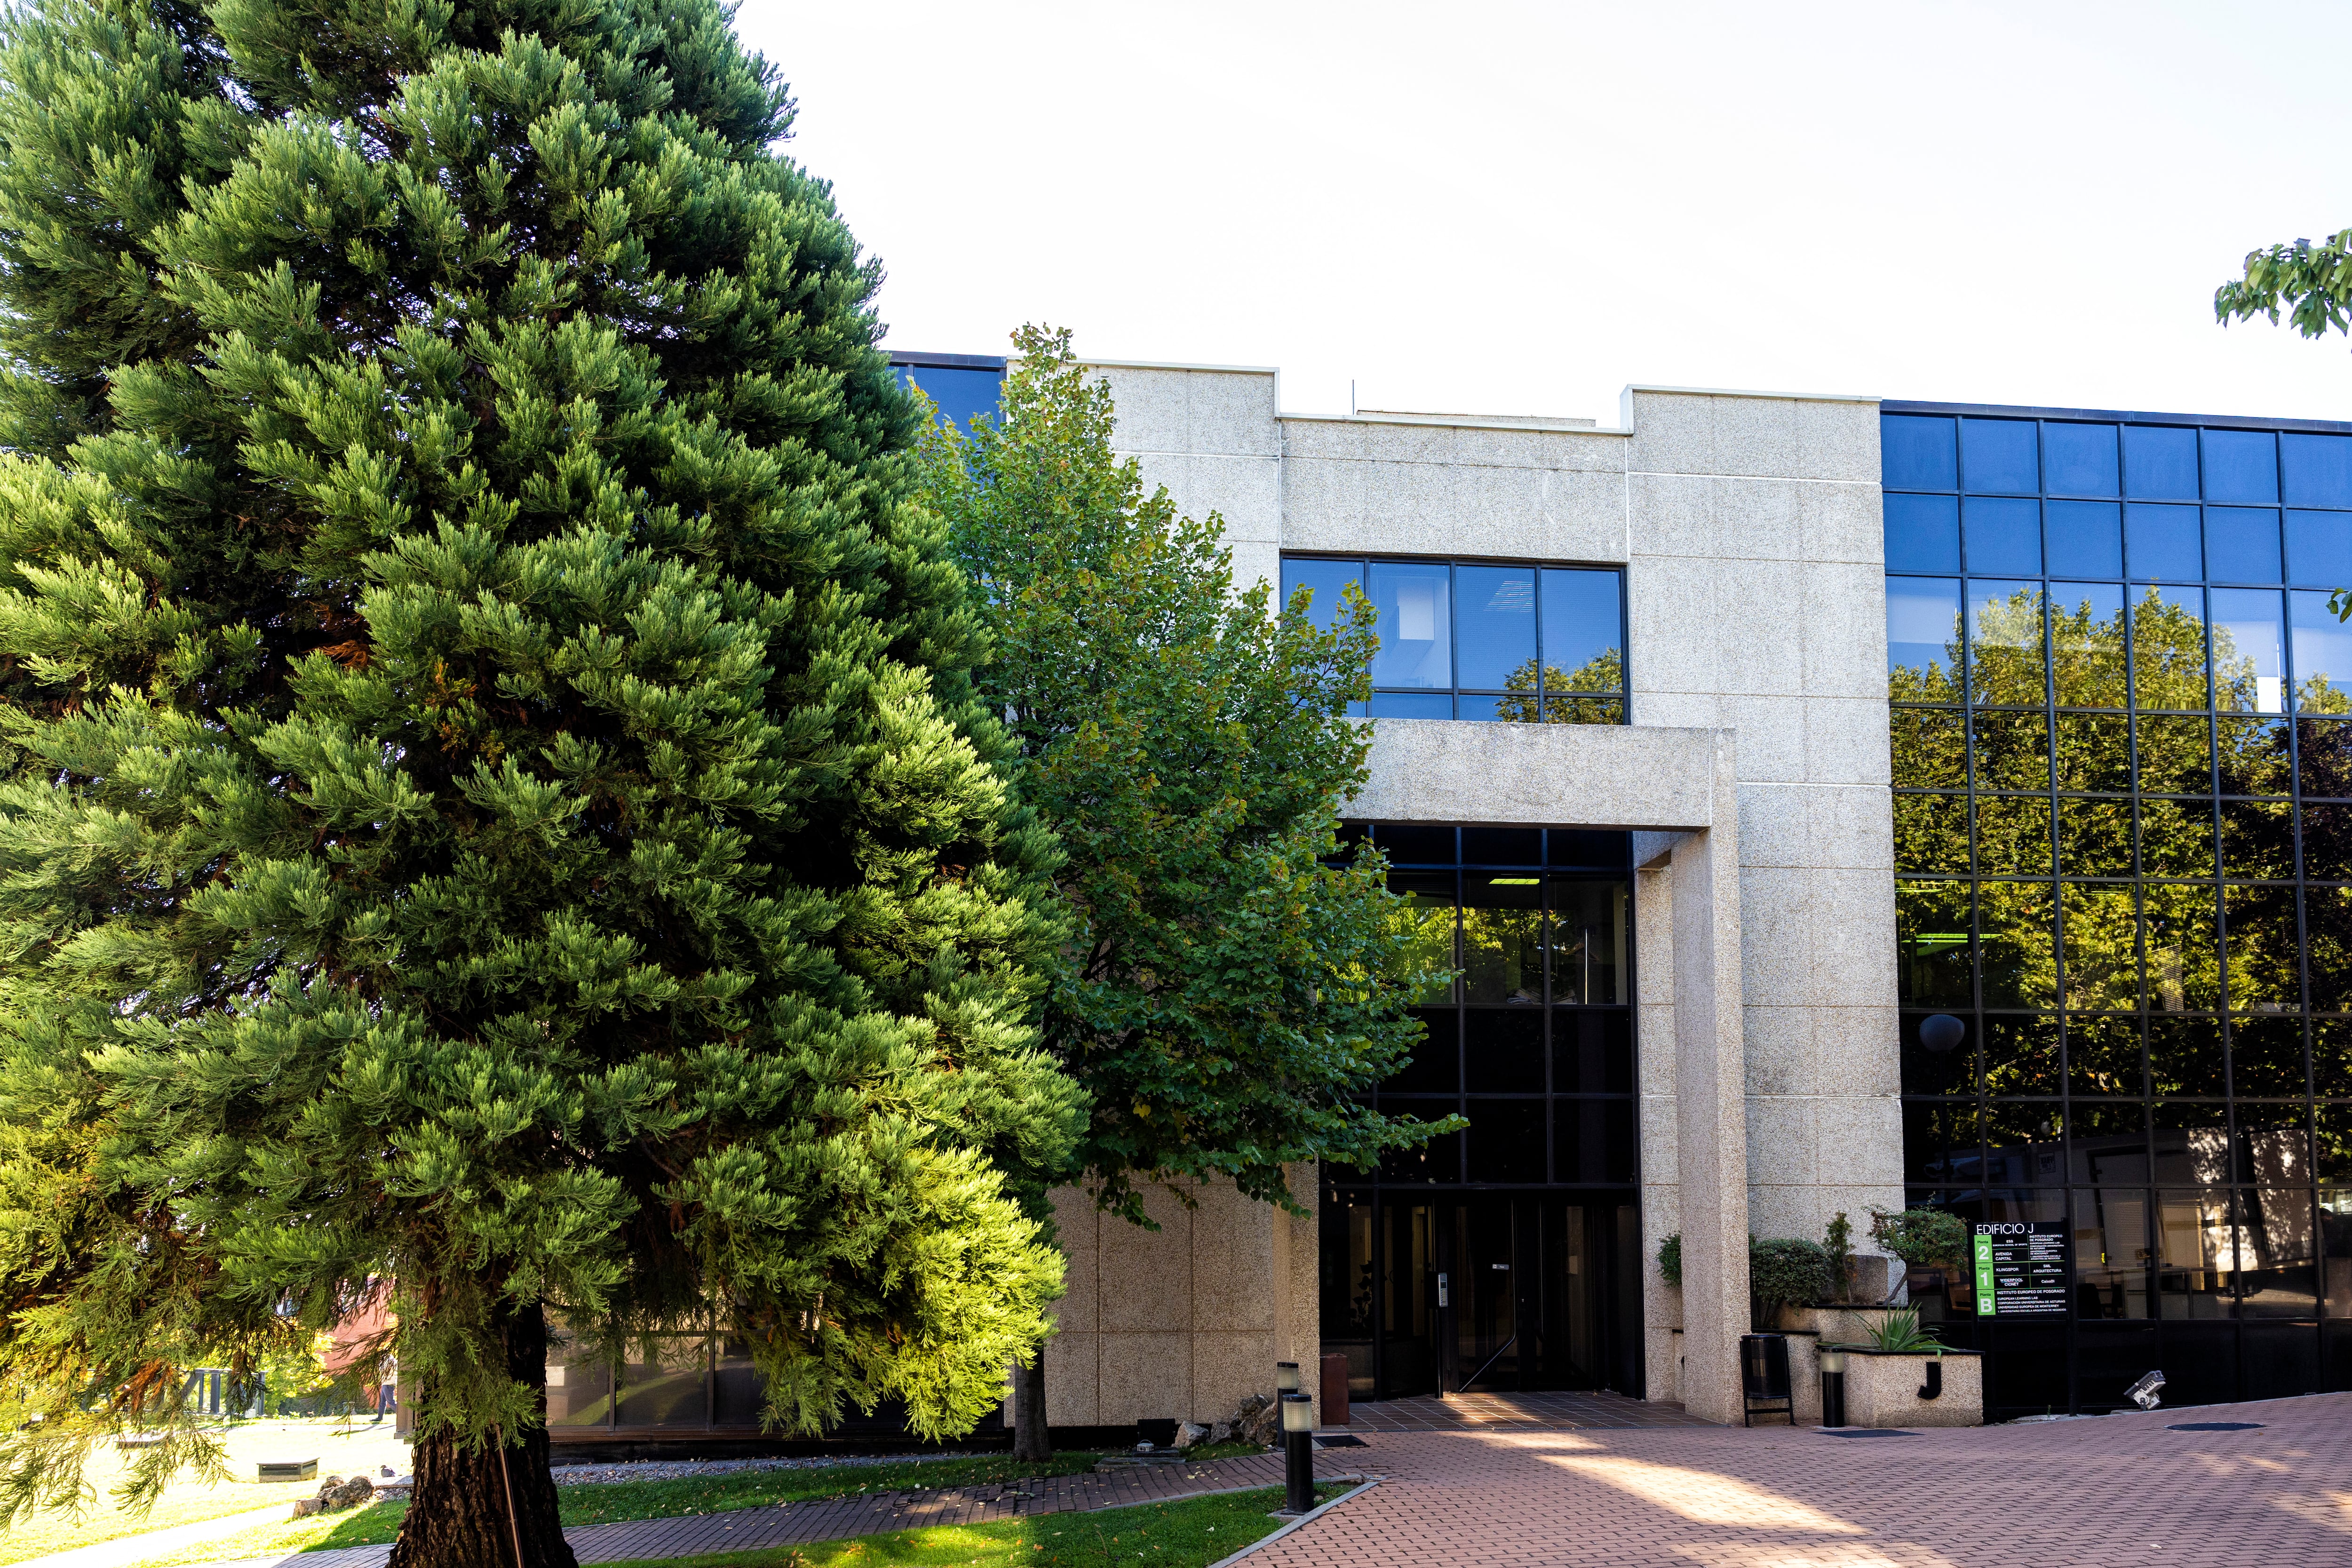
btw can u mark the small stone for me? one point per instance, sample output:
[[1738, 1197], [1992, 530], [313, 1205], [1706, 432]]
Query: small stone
[[304, 1507], [1189, 1432]]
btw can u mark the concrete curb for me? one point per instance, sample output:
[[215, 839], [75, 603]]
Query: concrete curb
[[1309, 1517]]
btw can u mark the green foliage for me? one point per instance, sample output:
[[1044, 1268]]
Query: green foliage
[[495, 798], [1837, 1245], [1787, 1272], [2313, 283], [1929, 1237], [1227, 987], [1670, 1259], [1898, 1329]]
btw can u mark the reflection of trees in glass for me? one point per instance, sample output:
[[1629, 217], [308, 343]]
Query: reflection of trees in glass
[[1936, 683], [2263, 975], [1502, 955], [1429, 916], [2168, 653], [2087, 656], [2020, 959], [2184, 965], [2013, 835], [2319, 695], [1931, 925], [2101, 922], [2005, 668], [1603, 672], [1931, 833]]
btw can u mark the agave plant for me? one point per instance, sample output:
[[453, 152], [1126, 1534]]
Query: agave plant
[[1899, 1331]]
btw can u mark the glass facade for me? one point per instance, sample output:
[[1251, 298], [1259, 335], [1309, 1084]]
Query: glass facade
[[1479, 639], [1497, 1258], [960, 385], [2123, 838]]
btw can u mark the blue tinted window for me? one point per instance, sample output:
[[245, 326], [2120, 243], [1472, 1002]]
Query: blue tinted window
[[2162, 542], [1494, 619], [2079, 459], [2241, 465], [959, 394], [1327, 580], [1923, 638], [2242, 544], [2316, 470], [2323, 656], [1916, 453], [2159, 463], [1411, 705], [2319, 548], [2249, 650], [1923, 533], [2004, 536], [1997, 456], [1583, 629], [2085, 538], [1416, 625]]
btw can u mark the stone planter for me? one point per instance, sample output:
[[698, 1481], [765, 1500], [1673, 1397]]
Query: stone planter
[[1881, 1388]]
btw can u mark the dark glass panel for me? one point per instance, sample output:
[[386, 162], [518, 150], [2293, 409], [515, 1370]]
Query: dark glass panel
[[1583, 631], [1502, 847], [2184, 966], [2242, 544], [1502, 939], [1352, 837], [2265, 1059], [2332, 1159], [579, 1382], [2001, 538], [1932, 943], [2103, 1057], [2253, 756], [2113, 1248], [2278, 1359], [2094, 753], [2201, 1359], [1591, 1052], [2025, 1371], [2240, 465], [2014, 836], [1584, 710], [2249, 639], [2014, 923], [1923, 639], [2095, 837], [1437, 1160], [1429, 912], [2101, 924], [2085, 538], [1495, 627], [1940, 1141], [1507, 1140], [1929, 749], [961, 395], [1436, 1064], [2316, 470], [2319, 548], [1916, 452], [1931, 833], [2263, 952], [2278, 1265], [2000, 456], [1593, 1140], [662, 1382], [1923, 533], [2168, 649], [2274, 1146], [2109, 1138], [2109, 1357], [2164, 543], [2192, 1140], [1415, 604], [2086, 642], [2257, 840], [1326, 582], [2331, 1058], [1575, 846], [2023, 1142], [2159, 462], [2324, 758], [2184, 1056], [2196, 1253], [2323, 654], [2176, 838], [1411, 845], [2020, 1055], [2079, 459], [2176, 754], [738, 1394], [1591, 933], [1502, 1051], [1349, 1281], [1947, 1067], [2006, 662], [2328, 841], [2013, 750], [1410, 705]]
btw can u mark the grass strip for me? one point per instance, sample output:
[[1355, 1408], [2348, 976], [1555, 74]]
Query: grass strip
[[1187, 1533]]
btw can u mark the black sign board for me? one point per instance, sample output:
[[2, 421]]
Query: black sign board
[[2021, 1269]]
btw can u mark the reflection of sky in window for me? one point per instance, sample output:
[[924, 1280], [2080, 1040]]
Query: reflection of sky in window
[[1579, 617], [1327, 580], [960, 393], [2249, 672], [1497, 639], [2323, 653], [1415, 635], [1922, 621]]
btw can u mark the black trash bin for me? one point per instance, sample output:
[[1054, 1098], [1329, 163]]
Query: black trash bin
[[1764, 1378]]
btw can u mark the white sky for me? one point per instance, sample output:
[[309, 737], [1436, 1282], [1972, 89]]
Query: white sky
[[1518, 208]]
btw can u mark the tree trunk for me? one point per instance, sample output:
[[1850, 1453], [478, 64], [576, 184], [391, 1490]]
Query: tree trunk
[[1030, 1439], [459, 1516]]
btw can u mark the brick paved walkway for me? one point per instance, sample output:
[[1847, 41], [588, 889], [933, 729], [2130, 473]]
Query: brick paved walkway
[[1515, 1411], [832, 1518], [2117, 1492]]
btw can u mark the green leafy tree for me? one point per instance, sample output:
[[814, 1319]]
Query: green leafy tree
[[495, 798], [1228, 986]]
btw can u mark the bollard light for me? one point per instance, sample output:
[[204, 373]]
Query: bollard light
[[1832, 1387], [1298, 1451], [1285, 1377]]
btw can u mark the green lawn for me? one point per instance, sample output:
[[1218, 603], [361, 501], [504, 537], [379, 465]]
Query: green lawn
[[1185, 1535]]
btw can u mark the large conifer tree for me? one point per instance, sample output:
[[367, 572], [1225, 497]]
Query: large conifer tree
[[496, 811]]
